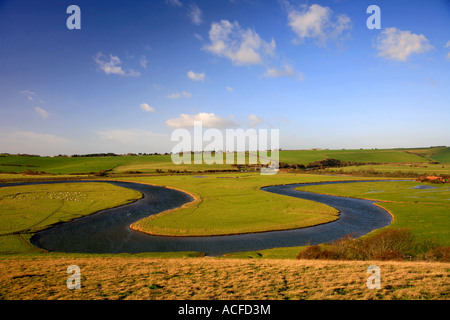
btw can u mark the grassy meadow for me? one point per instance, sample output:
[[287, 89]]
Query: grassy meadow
[[59, 165], [225, 203], [425, 212], [25, 210], [143, 278]]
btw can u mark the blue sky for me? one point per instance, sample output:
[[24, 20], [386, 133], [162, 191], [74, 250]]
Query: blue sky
[[137, 70]]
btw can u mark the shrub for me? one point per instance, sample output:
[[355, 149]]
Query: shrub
[[399, 240], [441, 254], [390, 244]]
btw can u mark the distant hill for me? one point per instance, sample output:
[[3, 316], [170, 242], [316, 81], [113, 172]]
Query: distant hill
[[151, 163]]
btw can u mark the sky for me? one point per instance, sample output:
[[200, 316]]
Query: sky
[[138, 70]]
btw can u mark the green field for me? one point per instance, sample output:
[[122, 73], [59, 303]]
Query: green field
[[377, 156], [439, 154], [420, 169], [151, 163], [426, 212], [232, 204], [25, 210]]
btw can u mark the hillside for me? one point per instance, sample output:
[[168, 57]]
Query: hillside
[[154, 163], [140, 278]]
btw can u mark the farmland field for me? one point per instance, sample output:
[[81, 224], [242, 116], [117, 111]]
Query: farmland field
[[150, 163], [228, 202], [27, 209], [421, 207]]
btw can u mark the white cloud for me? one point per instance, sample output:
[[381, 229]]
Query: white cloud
[[241, 46], [196, 76], [230, 89], [113, 65], [447, 45], [28, 92], [143, 61], [41, 112], [174, 95], [209, 120], [287, 71], [195, 14], [254, 120], [199, 37], [175, 3], [157, 86], [398, 45], [318, 23], [146, 107], [178, 95]]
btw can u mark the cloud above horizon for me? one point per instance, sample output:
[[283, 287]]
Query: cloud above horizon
[[318, 23], [195, 76], [286, 71], [447, 45], [195, 14], [209, 120], [241, 46], [113, 65], [398, 45], [147, 108], [43, 113]]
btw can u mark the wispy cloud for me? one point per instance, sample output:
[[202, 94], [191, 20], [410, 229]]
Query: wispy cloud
[[178, 95], [196, 76], [241, 46], [447, 45], [195, 14], [112, 65], [286, 71], [209, 120], [44, 114], [229, 89], [147, 108], [398, 45], [143, 62], [317, 23], [175, 3], [254, 120]]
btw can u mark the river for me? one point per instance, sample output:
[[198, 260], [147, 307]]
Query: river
[[108, 231]]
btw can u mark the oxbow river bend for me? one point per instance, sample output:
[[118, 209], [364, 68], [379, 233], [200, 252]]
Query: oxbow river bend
[[108, 231]]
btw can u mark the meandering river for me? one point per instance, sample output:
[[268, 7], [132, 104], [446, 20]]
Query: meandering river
[[108, 231]]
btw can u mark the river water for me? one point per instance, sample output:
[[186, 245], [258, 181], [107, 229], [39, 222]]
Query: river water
[[108, 231]]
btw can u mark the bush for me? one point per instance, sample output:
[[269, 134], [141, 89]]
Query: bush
[[390, 244], [441, 254]]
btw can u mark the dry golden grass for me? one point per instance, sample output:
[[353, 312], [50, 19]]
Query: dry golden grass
[[43, 278]]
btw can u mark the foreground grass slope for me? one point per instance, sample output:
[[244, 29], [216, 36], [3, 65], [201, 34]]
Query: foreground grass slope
[[119, 278]]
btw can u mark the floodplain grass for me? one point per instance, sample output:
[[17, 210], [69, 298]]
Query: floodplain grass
[[27, 209], [426, 212], [233, 204], [145, 278]]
